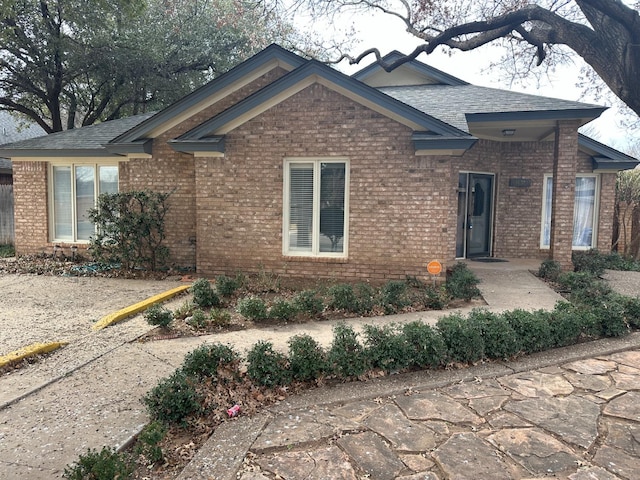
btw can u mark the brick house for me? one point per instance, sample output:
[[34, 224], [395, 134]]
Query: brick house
[[286, 164]]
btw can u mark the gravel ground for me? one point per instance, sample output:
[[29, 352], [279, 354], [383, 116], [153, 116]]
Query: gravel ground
[[626, 283], [38, 308]]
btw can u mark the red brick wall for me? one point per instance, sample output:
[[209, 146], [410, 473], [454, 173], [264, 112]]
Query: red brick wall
[[30, 207]]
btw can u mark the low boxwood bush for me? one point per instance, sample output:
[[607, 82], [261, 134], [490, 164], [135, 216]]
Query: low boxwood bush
[[158, 315], [173, 399], [282, 310], [532, 329], [590, 261], [550, 270], [426, 346], [308, 302], [462, 282], [203, 294], [500, 339], [198, 319], [226, 286], [205, 360], [267, 367], [366, 297], [307, 359], [148, 441], [386, 348], [632, 311], [566, 324], [343, 297], [219, 317], [106, 464], [252, 308], [346, 356], [429, 297], [463, 338], [393, 296]]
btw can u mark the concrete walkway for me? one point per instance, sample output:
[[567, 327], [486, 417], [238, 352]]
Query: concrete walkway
[[573, 412]]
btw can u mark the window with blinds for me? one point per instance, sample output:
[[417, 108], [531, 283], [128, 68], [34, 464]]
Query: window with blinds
[[74, 190], [315, 207]]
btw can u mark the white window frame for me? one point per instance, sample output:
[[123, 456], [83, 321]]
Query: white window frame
[[315, 243], [74, 214], [596, 210]]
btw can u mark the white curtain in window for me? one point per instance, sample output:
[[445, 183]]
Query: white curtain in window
[[546, 221], [332, 207], [583, 212], [85, 200], [108, 179]]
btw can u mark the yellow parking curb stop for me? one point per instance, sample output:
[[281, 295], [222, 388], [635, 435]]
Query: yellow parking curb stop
[[29, 351], [138, 307]]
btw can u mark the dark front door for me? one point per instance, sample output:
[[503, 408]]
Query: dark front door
[[475, 212]]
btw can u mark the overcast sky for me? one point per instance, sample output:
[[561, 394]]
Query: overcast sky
[[387, 33]]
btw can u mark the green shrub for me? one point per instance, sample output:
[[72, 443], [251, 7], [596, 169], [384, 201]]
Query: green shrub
[[346, 356], [532, 329], [267, 367], [550, 270], [252, 308], [219, 317], [198, 319], [130, 229], [343, 297], [430, 298], [148, 440], [173, 399], [566, 324], [462, 282], [205, 360], [632, 311], [427, 348], [500, 339], [226, 286], [591, 262], [386, 347], [610, 312], [463, 338], [307, 358], [282, 310], [366, 297], [203, 294], [158, 315], [106, 464], [308, 302], [393, 296]]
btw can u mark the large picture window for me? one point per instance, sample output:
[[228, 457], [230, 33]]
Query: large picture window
[[315, 207], [584, 212], [75, 189]]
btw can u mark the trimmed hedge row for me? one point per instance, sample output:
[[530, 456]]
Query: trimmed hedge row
[[481, 335]]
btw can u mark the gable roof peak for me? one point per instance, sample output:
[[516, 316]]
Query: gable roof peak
[[412, 72]]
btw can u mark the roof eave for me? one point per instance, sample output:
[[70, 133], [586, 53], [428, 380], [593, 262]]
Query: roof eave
[[55, 153], [427, 144], [564, 114], [131, 148], [210, 144]]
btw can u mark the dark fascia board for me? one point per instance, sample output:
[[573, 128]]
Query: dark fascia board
[[605, 163], [270, 53], [210, 144], [54, 153], [602, 150], [565, 114], [438, 75], [311, 68], [425, 141], [124, 148]]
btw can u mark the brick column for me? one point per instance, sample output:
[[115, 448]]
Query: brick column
[[606, 212], [30, 207], [565, 158]]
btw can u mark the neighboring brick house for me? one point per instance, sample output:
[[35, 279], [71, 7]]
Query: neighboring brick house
[[287, 165]]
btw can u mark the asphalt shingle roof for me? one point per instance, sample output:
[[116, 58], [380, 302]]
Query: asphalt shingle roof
[[92, 137], [450, 103]]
